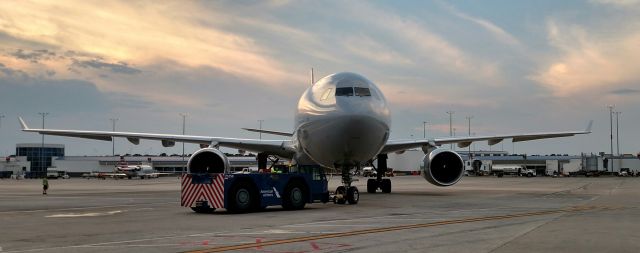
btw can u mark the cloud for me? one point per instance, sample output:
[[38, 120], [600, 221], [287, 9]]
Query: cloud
[[13, 73], [588, 62], [424, 45], [31, 94], [370, 49], [120, 67], [625, 91], [618, 3], [499, 33], [33, 56], [116, 30]]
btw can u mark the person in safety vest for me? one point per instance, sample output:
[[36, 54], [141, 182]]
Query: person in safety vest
[[45, 185]]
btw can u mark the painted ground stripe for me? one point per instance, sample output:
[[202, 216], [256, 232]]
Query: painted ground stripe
[[390, 229]]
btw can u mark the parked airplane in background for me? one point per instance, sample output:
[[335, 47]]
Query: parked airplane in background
[[342, 122], [136, 171]]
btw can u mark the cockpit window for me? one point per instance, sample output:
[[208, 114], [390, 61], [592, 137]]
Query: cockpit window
[[362, 92], [326, 94], [344, 91]]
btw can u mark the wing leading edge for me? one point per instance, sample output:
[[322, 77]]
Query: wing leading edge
[[277, 147], [462, 142]]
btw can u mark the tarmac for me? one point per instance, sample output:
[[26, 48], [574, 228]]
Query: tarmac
[[479, 214]]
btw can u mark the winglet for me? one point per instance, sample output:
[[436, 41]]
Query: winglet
[[588, 130], [24, 125]]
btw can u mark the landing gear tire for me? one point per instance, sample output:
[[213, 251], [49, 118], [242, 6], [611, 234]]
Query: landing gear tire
[[385, 185], [353, 195], [340, 195], [372, 185], [242, 199], [295, 196]]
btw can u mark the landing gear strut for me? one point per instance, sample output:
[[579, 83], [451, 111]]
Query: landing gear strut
[[383, 184], [346, 192]]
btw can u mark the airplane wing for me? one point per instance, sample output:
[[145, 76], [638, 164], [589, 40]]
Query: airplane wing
[[269, 132], [283, 148], [462, 142]]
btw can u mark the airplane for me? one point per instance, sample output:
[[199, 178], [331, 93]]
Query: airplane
[[342, 123], [136, 171]]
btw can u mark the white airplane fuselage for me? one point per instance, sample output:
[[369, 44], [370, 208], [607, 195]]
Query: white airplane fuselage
[[342, 120]]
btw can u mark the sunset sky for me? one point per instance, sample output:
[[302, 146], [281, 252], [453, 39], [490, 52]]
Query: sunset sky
[[516, 66]]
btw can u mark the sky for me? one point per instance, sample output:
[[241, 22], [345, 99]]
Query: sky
[[514, 66]]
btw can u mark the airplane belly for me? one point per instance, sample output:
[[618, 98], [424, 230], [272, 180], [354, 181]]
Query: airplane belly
[[343, 140]]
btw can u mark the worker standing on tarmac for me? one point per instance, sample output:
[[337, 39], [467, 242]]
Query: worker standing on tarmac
[[45, 185]]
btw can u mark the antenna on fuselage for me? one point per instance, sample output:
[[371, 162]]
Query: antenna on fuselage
[[312, 79]]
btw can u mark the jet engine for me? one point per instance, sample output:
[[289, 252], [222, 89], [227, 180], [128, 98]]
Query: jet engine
[[442, 167], [208, 160]]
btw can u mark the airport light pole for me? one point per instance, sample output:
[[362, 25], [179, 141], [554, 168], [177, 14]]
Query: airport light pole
[[113, 139], [617, 133], [43, 114], [611, 131], [2, 116], [260, 126], [469, 121], [424, 129], [450, 126], [454, 134], [184, 118]]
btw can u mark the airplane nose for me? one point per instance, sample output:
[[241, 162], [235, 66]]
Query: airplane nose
[[349, 139]]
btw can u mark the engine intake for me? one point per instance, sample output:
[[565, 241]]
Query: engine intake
[[208, 160], [442, 167]]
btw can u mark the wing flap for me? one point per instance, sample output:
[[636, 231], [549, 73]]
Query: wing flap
[[269, 132]]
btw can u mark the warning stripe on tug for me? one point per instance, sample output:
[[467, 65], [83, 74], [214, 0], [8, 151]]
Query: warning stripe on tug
[[212, 193]]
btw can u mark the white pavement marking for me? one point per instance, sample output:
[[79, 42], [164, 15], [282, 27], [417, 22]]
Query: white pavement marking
[[73, 215], [84, 208], [223, 233]]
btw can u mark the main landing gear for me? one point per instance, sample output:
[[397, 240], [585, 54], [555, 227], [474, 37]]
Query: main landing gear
[[383, 184], [346, 193]]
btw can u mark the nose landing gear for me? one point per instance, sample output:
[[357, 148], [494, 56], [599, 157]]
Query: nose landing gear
[[346, 193]]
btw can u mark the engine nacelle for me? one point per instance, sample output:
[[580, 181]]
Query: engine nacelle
[[442, 167], [208, 160]]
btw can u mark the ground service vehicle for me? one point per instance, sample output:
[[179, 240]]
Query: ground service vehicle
[[245, 192], [516, 170]]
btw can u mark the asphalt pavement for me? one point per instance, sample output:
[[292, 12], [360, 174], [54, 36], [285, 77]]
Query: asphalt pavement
[[479, 214]]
